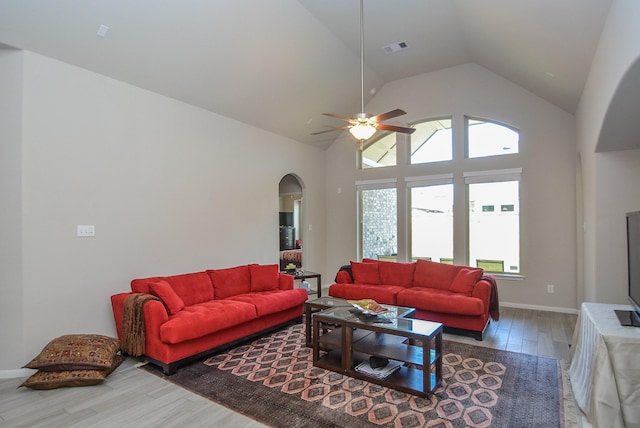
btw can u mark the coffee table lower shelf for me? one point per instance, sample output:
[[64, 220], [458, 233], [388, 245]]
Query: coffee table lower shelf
[[406, 379], [343, 348]]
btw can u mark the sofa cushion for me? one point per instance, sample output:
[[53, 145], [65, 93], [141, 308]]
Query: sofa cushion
[[396, 273], [386, 294], [230, 281], [440, 301], [365, 273], [264, 277], [205, 318], [434, 275], [465, 280], [271, 302], [192, 288], [171, 300]]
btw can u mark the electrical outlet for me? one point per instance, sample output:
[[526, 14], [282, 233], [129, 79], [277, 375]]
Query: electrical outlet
[[86, 230], [550, 288]]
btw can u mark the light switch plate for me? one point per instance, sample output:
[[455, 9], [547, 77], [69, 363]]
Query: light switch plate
[[86, 230]]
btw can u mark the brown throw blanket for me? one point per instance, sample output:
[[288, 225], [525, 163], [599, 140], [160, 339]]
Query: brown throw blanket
[[494, 304], [132, 342]]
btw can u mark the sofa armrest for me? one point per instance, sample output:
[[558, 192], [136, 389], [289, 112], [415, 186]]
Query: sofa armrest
[[285, 281], [155, 314], [343, 277], [482, 290]]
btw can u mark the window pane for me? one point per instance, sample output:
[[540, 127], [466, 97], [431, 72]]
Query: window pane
[[490, 139], [494, 226], [432, 223], [432, 141], [381, 152], [379, 223]]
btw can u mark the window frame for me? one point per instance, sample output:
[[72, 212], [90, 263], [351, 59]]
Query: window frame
[[378, 184], [433, 119], [494, 176], [424, 181]]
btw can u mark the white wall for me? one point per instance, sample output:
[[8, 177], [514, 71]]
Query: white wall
[[169, 187], [548, 187], [10, 203], [611, 180]]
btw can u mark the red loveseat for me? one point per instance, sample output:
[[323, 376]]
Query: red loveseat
[[201, 312], [459, 297]]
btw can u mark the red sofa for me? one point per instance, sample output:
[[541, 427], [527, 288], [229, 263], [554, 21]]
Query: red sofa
[[462, 298], [201, 312]]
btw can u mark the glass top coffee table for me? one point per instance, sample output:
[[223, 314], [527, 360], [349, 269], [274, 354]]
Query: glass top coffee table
[[322, 303], [345, 341]]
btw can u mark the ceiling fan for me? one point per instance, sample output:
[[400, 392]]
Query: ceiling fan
[[363, 125]]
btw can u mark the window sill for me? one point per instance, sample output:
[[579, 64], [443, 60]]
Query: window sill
[[508, 276]]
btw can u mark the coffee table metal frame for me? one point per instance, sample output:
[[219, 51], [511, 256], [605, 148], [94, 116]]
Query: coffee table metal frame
[[347, 340]]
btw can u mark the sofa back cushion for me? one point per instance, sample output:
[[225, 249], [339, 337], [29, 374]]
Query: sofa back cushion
[[365, 273], [231, 281], [192, 288], [396, 273], [171, 300], [264, 277], [465, 280], [434, 275]]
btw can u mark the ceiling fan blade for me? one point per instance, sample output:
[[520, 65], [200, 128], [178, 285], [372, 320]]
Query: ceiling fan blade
[[389, 115], [346, 119], [332, 129], [393, 128]]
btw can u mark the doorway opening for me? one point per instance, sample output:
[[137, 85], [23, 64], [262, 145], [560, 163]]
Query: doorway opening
[[290, 223]]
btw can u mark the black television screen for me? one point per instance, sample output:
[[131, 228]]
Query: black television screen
[[633, 265]]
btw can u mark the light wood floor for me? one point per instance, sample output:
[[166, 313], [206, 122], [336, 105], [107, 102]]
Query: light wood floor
[[130, 397]]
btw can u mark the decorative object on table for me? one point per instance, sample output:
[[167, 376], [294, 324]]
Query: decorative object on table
[[306, 285], [378, 362], [379, 372], [74, 360], [290, 268], [373, 318], [368, 306]]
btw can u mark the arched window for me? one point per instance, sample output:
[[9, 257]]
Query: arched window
[[487, 138], [380, 152], [432, 141]]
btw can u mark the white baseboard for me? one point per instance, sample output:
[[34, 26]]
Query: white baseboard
[[10, 374], [540, 308]]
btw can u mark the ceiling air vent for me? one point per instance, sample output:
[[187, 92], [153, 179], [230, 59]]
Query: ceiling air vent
[[395, 47]]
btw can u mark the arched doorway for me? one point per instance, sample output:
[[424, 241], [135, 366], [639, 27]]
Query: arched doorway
[[290, 223]]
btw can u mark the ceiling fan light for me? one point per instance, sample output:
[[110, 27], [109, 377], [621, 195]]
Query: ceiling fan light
[[362, 131]]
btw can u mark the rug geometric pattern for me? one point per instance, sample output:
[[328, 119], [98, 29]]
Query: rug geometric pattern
[[273, 380], [278, 362]]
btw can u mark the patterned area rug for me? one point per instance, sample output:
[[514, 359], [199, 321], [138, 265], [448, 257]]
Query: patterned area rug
[[273, 380]]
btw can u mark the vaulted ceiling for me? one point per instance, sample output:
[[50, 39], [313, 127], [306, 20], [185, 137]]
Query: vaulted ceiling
[[279, 64]]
